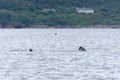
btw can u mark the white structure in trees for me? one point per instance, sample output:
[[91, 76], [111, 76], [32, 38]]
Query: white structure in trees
[[85, 10]]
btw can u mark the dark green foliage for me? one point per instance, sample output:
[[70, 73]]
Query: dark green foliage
[[29, 12]]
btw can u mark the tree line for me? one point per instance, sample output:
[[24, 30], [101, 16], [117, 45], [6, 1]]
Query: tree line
[[22, 13]]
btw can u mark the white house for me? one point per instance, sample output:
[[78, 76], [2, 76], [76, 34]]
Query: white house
[[85, 10]]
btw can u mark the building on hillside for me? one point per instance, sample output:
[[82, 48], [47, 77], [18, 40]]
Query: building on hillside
[[85, 10], [48, 10]]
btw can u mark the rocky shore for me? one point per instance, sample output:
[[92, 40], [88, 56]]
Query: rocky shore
[[61, 27]]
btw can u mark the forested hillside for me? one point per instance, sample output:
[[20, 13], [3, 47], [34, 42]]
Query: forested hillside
[[32, 12]]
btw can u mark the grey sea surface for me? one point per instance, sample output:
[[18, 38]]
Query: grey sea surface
[[56, 56]]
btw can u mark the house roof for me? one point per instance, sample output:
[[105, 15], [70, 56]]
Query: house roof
[[84, 8]]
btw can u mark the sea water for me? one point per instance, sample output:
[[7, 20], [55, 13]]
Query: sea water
[[56, 56]]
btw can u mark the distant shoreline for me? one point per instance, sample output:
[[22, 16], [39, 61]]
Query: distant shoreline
[[64, 27]]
